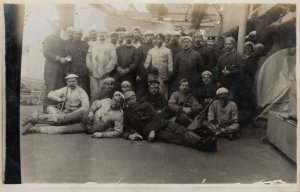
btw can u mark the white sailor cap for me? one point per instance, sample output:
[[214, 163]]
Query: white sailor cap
[[71, 76], [118, 93], [222, 90], [206, 73]]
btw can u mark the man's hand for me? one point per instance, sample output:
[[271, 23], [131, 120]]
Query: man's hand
[[151, 136], [63, 99], [97, 135], [135, 137], [138, 78], [187, 110], [90, 116]]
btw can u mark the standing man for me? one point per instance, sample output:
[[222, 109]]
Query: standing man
[[77, 50], [70, 33], [136, 42], [160, 57], [197, 45], [212, 58], [54, 72], [141, 76], [229, 67], [114, 38], [101, 60], [188, 64], [127, 62], [223, 115], [93, 37]]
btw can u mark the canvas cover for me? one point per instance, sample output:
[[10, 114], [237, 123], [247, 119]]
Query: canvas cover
[[274, 81]]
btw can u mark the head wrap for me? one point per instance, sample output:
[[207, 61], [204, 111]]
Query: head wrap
[[231, 39], [186, 37], [250, 44], [206, 73], [222, 90], [108, 79], [71, 76], [118, 93], [128, 94]]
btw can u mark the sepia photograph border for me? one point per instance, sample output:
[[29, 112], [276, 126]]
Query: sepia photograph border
[[126, 187]]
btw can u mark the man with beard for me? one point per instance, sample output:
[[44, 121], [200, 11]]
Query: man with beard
[[142, 51], [136, 42], [127, 62], [229, 67], [77, 50], [70, 33], [188, 64], [101, 60], [142, 122], [160, 57], [75, 103], [197, 46], [207, 89], [157, 100], [55, 64], [114, 38], [183, 105], [223, 115]]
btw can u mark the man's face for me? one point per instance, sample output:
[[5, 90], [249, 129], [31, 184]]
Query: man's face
[[77, 36], [210, 43], [114, 38], [126, 88], [149, 38], [102, 36], [93, 36], [186, 44], [128, 39], [206, 79], [228, 45], [121, 37], [248, 50], [136, 34], [131, 101], [197, 38], [168, 38], [184, 87], [154, 89], [109, 86], [159, 41], [70, 33], [116, 102], [223, 96], [72, 83]]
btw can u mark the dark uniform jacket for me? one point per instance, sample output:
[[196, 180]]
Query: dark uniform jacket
[[54, 71], [205, 92], [78, 51], [158, 102]]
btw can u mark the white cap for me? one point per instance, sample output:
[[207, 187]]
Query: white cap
[[118, 93], [71, 76], [221, 91], [149, 32], [186, 37], [206, 73]]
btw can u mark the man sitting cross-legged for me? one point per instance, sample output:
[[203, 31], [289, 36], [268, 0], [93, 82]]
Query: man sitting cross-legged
[[142, 122], [76, 103]]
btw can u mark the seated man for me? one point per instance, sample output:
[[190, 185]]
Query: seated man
[[156, 99], [223, 115], [107, 88], [207, 89], [104, 119], [126, 86], [142, 122], [183, 105], [75, 100]]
